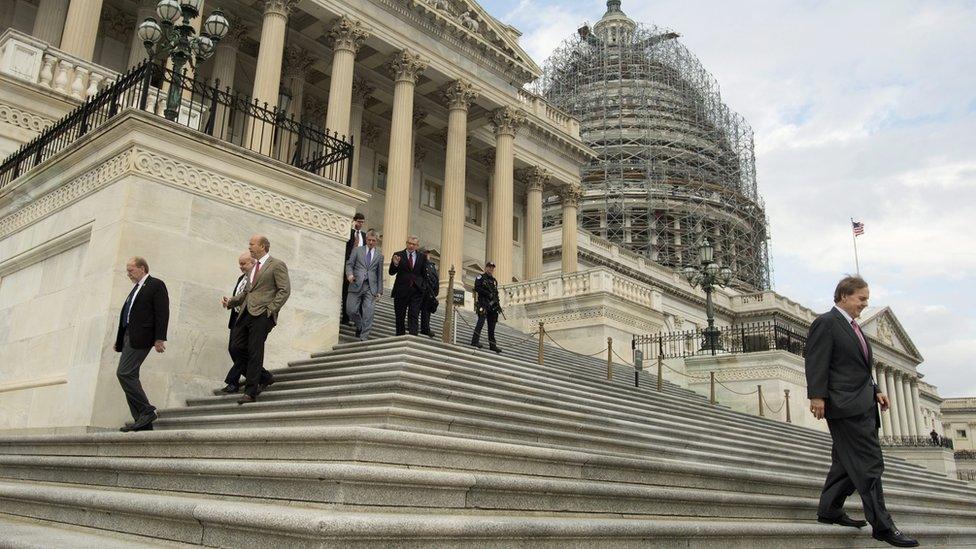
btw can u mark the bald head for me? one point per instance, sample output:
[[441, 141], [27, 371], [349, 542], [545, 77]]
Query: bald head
[[258, 245], [245, 262]]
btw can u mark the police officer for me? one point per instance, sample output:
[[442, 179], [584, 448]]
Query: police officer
[[487, 306]]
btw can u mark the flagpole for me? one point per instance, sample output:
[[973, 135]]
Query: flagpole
[[857, 264]]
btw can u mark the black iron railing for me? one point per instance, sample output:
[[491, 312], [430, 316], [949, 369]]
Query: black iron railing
[[916, 441], [225, 115], [744, 338]]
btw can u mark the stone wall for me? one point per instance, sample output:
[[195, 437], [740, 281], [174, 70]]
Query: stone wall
[[139, 186]]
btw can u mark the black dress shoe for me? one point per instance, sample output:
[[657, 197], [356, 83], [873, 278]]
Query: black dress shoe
[[476, 344], [246, 399], [895, 537], [359, 332], [265, 384], [843, 520], [143, 421], [148, 427], [495, 348], [230, 389]]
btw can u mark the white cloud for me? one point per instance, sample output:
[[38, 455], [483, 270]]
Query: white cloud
[[861, 109]]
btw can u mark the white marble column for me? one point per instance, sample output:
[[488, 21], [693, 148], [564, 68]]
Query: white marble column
[[458, 95], [81, 28], [267, 74], [347, 36], [910, 414], [506, 121], [917, 406], [49, 21], [224, 71], [137, 51], [406, 67], [571, 196], [893, 402], [295, 67], [902, 404], [885, 415], [361, 92], [535, 181]]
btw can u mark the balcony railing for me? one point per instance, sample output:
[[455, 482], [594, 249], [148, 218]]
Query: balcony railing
[[916, 441], [227, 116], [744, 338]]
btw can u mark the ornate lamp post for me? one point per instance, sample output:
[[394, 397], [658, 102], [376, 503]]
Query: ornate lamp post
[[175, 38], [706, 276]]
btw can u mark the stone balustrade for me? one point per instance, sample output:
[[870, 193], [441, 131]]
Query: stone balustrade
[[589, 282], [35, 61], [551, 115]]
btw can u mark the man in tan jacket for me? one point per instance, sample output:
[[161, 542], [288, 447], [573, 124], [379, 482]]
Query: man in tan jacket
[[264, 295]]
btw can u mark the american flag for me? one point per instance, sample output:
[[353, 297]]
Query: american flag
[[858, 227]]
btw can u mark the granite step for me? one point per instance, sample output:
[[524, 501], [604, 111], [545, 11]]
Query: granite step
[[217, 522]]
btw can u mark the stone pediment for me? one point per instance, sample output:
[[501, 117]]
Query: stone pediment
[[883, 326], [467, 19]]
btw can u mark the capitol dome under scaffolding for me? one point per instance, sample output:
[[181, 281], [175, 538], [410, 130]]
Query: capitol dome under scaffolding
[[675, 164]]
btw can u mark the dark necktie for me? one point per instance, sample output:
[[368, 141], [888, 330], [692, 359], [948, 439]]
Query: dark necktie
[[369, 257], [860, 338], [257, 269], [127, 306], [410, 256]]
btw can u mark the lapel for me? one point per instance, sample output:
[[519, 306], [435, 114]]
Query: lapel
[[139, 294], [849, 330], [264, 268]]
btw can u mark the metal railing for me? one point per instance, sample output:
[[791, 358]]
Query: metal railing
[[225, 115], [743, 338], [916, 441]]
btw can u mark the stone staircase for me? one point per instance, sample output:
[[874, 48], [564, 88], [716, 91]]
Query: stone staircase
[[408, 442]]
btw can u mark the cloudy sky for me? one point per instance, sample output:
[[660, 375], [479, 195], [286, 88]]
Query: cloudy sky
[[863, 109]]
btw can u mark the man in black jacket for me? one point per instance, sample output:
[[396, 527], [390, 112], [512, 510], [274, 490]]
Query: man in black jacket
[[431, 289], [841, 389], [357, 238], [487, 305], [143, 321], [409, 266], [233, 380]]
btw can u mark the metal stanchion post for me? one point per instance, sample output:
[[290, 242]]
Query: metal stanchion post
[[786, 404], [711, 376], [542, 338], [761, 414], [447, 334], [455, 327], [609, 359], [660, 364]]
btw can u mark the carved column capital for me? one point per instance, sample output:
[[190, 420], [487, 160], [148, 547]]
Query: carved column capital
[[117, 24], [406, 65], [348, 34], [280, 7], [314, 107], [486, 157], [235, 34], [535, 178], [368, 134], [362, 89], [419, 115], [296, 62], [571, 195], [506, 120], [459, 94]]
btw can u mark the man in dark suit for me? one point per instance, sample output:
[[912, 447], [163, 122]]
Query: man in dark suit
[[841, 389], [409, 266], [143, 321], [233, 380], [357, 239], [266, 292], [428, 305]]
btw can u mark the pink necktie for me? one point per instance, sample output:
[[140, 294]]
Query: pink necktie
[[257, 269], [860, 337]]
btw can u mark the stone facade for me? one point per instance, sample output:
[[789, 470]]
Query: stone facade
[[959, 422], [138, 187]]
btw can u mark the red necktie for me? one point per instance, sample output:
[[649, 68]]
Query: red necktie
[[410, 258], [257, 269], [860, 337]]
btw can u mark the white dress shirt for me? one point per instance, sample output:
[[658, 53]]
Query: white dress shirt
[[263, 261], [138, 287]]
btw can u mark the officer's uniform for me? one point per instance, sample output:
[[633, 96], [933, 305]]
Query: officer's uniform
[[487, 307]]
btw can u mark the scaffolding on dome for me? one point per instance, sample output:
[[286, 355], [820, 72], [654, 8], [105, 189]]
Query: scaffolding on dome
[[675, 165]]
